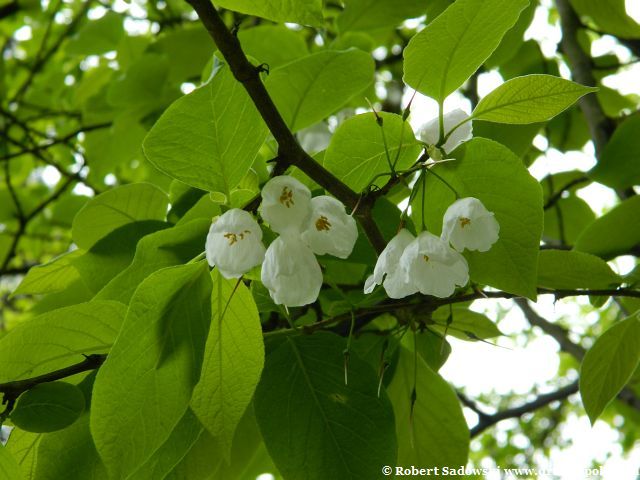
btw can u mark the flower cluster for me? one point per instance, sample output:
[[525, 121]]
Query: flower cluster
[[306, 227], [430, 264]]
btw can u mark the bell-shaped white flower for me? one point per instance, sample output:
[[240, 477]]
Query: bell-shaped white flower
[[387, 271], [291, 272], [468, 224], [286, 204], [429, 132], [329, 229], [234, 243], [433, 266]]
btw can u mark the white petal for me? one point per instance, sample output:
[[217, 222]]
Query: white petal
[[398, 285], [429, 133], [286, 204], [388, 259], [468, 224], [291, 273], [234, 243], [369, 284], [330, 230]]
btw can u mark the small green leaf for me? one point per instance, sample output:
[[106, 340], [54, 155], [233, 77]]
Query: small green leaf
[[115, 208], [357, 150], [144, 387], [615, 233], [438, 435], [618, 166], [315, 426], [371, 15], [610, 15], [233, 360], [452, 47], [492, 173], [50, 277], [98, 36], [465, 324], [48, 407], [304, 12], [570, 269], [313, 87], [608, 365], [529, 99], [208, 138]]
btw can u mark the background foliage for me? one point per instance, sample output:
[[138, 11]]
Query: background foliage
[[127, 126]]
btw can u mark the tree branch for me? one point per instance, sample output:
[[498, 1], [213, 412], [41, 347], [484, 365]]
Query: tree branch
[[289, 150]]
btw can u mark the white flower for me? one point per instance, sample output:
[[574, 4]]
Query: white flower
[[234, 243], [433, 266], [286, 204], [387, 270], [468, 224], [429, 132], [330, 230], [291, 272]]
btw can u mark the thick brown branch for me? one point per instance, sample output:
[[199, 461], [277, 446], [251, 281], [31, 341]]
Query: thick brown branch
[[289, 151]]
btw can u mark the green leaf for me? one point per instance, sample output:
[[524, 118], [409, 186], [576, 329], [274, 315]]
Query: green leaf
[[69, 453], [188, 49], [58, 339], [615, 233], [304, 12], [609, 364], [48, 407], [144, 387], [98, 36], [316, 427], [9, 468], [529, 99], [569, 269], [465, 324], [274, 45], [575, 214], [49, 277], [208, 138], [166, 248], [313, 87], [492, 173], [450, 49], [24, 447], [513, 39], [115, 208], [610, 15], [371, 15], [357, 151], [439, 435], [518, 138], [233, 360], [618, 166]]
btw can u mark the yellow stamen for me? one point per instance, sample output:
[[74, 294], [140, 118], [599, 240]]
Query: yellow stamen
[[426, 258], [464, 221], [233, 237], [323, 223], [286, 197]]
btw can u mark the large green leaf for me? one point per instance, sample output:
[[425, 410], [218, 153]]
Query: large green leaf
[[529, 99], [492, 173], [208, 138], [233, 361], [48, 407], [165, 248], [571, 269], [305, 12], [315, 426], [50, 277], [69, 453], [116, 208], [464, 324], [452, 47], [313, 87], [143, 389], [274, 45], [567, 219], [23, 446], [614, 233], [9, 468], [609, 364], [438, 435], [619, 164], [374, 14], [357, 152], [59, 339], [98, 36], [610, 15]]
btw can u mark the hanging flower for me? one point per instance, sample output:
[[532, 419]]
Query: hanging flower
[[286, 204], [291, 272], [468, 224], [433, 266], [330, 230], [429, 132], [387, 271], [234, 243]]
